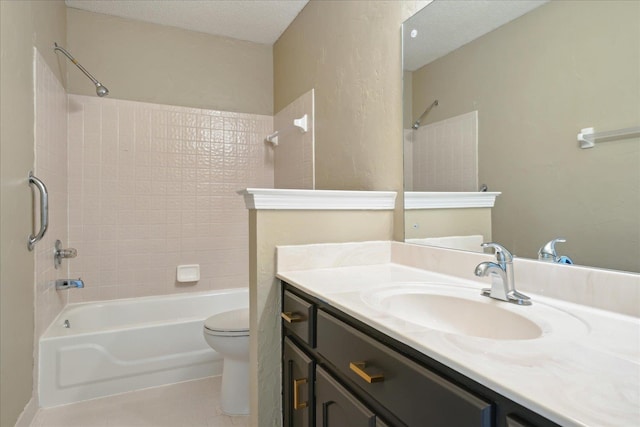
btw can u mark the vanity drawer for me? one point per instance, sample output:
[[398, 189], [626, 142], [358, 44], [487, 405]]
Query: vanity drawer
[[416, 395], [336, 407], [298, 317]]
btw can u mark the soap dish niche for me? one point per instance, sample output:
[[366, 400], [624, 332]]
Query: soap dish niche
[[188, 273]]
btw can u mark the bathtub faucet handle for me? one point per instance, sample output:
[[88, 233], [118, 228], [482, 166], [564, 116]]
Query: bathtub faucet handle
[[62, 284], [59, 254]]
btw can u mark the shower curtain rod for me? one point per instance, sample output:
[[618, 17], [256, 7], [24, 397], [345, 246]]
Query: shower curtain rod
[[416, 124]]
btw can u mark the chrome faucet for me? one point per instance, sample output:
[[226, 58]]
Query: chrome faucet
[[548, 252], [62, 284], [502, 282], [59, 254]]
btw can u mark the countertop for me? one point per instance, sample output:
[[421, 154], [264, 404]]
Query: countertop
[[583, 371]]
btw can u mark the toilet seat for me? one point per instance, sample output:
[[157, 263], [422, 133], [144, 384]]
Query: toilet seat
[[234, 323]]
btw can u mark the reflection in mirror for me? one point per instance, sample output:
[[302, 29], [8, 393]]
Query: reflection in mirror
[[515, 94]]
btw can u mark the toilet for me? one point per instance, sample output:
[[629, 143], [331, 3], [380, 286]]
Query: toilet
[[228, 334]]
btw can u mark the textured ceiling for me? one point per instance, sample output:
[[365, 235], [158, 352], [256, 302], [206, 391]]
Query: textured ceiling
[[259, 21], [445, 25]]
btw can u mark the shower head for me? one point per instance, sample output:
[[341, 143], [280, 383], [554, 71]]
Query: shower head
[[100, 89]]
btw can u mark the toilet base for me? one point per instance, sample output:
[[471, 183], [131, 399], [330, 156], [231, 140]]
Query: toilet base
[[234, 399]]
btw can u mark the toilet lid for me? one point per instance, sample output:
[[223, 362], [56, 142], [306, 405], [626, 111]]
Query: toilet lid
[[229, 321]]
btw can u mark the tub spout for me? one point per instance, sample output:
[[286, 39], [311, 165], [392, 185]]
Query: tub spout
[[62, 284]]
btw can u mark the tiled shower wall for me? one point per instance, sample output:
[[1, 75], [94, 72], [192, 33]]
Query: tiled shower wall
[[154, 186], [51, 168], [445, 155]]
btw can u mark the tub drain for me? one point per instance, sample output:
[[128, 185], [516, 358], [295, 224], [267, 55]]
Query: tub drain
[[66, 324]]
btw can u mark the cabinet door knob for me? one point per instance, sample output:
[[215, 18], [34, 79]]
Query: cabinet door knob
[[359, 368], [296, 399], [292, 317]]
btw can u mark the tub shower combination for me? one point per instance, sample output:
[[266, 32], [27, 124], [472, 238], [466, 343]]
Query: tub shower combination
[[98, 349]]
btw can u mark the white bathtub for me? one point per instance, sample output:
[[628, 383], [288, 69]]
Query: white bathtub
[[124, 345]]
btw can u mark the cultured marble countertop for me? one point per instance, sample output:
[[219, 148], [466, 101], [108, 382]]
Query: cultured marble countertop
[[583, 371]]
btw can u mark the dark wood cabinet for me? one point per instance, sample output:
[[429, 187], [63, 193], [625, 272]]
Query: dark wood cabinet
[[395, 381], [298, 371], [298, 317], [337, 407], [338, 371]]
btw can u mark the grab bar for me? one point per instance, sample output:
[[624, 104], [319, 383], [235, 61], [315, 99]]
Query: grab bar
[[44, 211]]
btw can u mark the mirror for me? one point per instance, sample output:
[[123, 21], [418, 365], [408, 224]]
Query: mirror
[[533, 81]]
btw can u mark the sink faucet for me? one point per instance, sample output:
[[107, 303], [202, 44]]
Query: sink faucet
[[548, 252], [62, 284], [502, 282]]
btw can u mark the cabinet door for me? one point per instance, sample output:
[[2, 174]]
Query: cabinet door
[[337, 407], [297, 386]]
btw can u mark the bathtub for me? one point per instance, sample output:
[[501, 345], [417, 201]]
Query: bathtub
[[124, 345]]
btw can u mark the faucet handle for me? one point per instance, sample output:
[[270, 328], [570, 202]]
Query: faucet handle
[[548, 251], [502, 254]]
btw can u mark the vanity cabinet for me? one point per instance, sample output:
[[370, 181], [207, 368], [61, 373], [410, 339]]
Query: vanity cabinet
[[337, 407], [338, 371], [394, 380], [298, 373]]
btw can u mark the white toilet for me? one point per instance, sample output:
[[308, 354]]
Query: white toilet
[[228, 334]]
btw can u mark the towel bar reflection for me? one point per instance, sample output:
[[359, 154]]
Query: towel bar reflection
[[588, 137], [44, 211]]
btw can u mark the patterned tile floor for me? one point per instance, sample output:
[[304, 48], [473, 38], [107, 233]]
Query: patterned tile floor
[[188, 404]]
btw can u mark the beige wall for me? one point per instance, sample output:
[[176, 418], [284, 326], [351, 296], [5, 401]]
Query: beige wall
[[350, 52], [448, 222], [23, 24], [535, 83], [267, 229], [166, 65]]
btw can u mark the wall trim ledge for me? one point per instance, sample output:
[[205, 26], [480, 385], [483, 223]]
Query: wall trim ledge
[[289, 199], [449, 200]]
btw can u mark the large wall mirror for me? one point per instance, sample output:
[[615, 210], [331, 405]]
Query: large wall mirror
[[515, 82]]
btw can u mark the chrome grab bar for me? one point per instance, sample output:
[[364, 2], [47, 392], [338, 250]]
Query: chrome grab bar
[[44, 211]]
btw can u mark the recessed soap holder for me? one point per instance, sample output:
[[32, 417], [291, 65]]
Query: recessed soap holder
[[188, 273]]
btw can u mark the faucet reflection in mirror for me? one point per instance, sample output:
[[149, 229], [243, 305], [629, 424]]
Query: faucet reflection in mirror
[[548, 253]]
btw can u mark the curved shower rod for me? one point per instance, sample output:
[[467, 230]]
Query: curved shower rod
[[101, 90], [416, 124]]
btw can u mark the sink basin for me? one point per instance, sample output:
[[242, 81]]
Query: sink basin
[[461, 311]]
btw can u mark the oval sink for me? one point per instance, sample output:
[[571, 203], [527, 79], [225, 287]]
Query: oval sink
[[461, 311]]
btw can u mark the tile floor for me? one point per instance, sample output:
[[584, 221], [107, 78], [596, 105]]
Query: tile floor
[[188, 404]]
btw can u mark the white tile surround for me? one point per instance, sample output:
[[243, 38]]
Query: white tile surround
[[580, 379], [445, 154], [154, 186]]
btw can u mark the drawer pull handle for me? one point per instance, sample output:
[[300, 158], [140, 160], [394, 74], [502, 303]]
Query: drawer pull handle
[[292, 317], [296, 400], [359, 368]]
